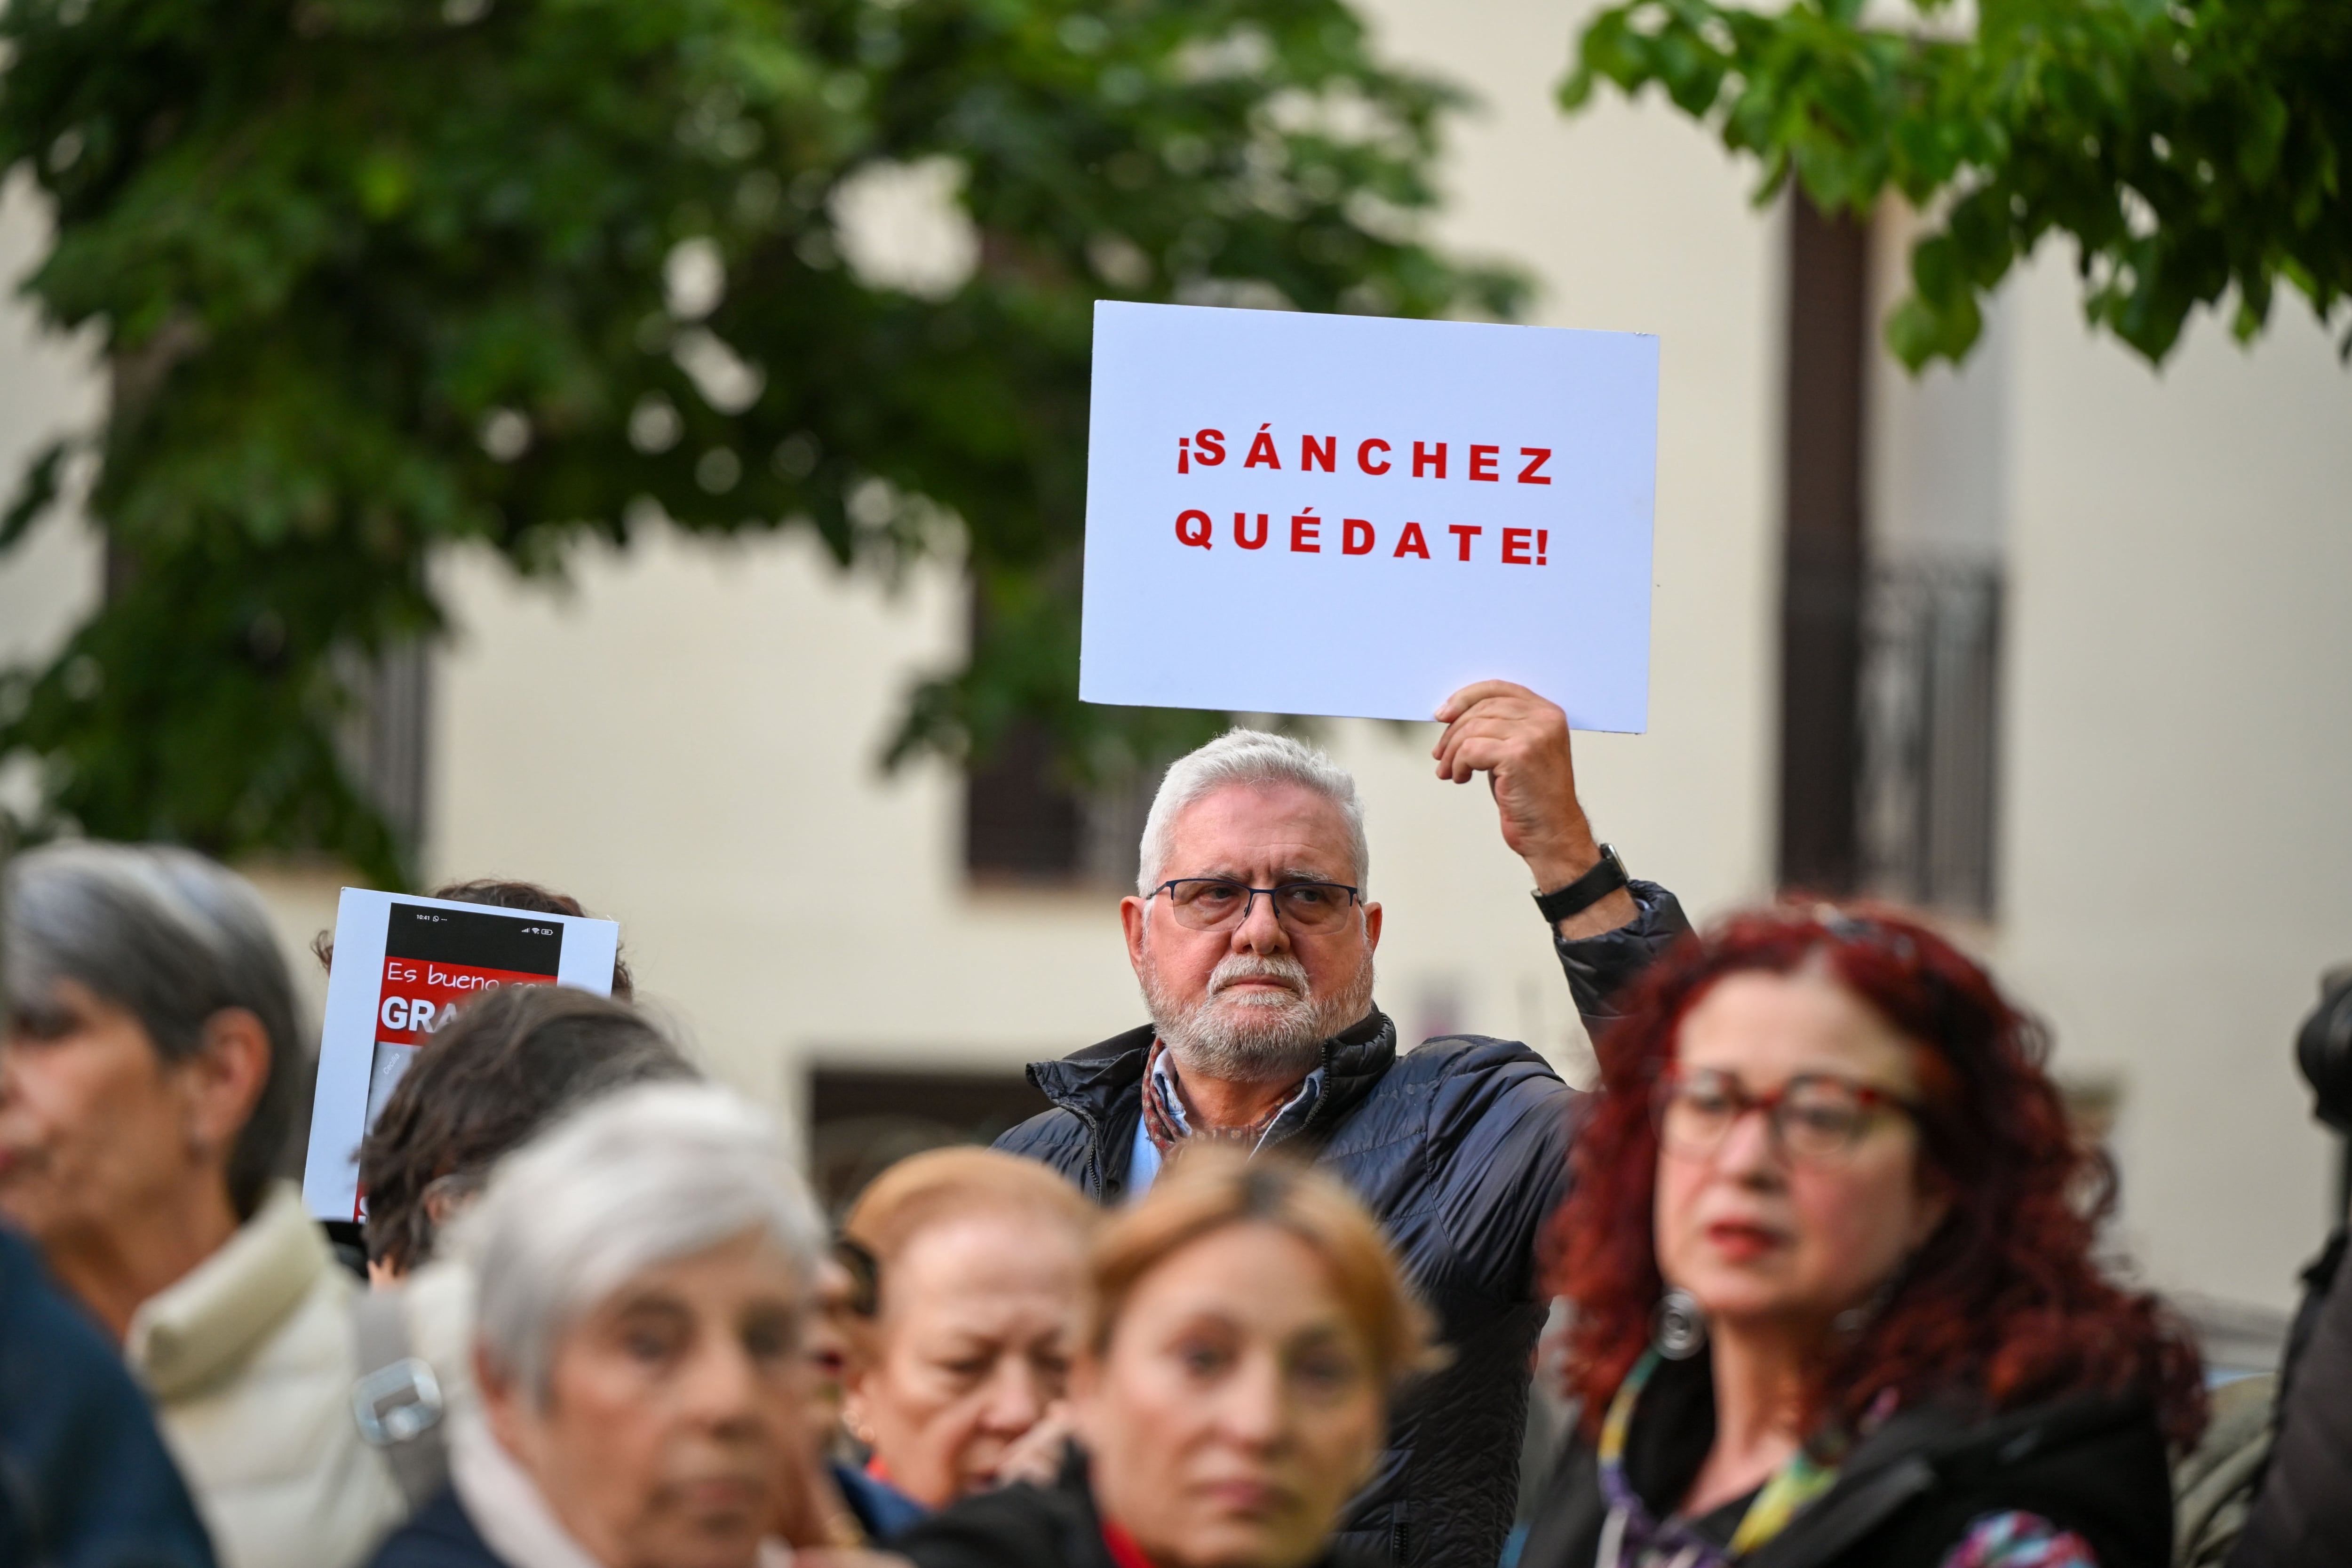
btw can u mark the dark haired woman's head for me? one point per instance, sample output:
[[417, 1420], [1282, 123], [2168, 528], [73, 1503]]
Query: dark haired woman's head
[[507, 1064], [1829, 1125], [500, 894], [175, 943], [153, 1065]]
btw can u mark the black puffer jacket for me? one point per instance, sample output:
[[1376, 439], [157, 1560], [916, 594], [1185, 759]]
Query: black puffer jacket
[[1460, 1150], [2302, 1512], [1908, 1494]]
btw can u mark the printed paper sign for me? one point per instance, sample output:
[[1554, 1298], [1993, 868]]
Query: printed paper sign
[[1289, 513], [403, 968]]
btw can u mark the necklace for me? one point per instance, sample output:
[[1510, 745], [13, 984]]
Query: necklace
[[1671, 1542]]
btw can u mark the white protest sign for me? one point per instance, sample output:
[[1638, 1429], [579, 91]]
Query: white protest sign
[[402, 967], [1355, 515]]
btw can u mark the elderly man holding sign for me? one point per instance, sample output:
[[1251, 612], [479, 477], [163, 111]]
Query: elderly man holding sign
[[1251, 935]]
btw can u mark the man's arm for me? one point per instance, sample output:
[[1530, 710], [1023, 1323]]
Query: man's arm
[[1520, 741]]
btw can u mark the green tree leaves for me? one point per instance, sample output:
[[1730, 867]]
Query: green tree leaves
[[376, 278], [2190, 149]]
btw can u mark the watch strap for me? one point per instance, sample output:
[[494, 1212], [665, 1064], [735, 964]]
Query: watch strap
[[1587, 890]]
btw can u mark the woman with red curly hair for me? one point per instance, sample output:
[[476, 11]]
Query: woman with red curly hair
[[1830, 1257]]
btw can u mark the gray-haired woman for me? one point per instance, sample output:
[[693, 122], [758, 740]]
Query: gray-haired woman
[[643, 1273], [146, 1092]]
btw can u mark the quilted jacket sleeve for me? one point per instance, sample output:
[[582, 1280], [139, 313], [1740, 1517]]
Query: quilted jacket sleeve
[[1600, 967], [1503, 1132]]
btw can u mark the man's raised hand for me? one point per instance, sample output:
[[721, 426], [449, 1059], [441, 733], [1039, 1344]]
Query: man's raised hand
[[1519, 741]]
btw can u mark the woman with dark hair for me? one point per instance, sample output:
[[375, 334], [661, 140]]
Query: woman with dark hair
[[1829, 1252], [509, 1063], [151, 1077]]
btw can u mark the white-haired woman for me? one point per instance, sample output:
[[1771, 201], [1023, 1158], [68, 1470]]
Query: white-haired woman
[[643, 1273], [149, 1081]]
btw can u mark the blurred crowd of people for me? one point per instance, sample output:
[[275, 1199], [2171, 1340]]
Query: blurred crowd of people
[[1265, 1288]]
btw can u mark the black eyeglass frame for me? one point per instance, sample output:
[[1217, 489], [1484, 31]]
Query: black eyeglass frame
[[1355, 897]]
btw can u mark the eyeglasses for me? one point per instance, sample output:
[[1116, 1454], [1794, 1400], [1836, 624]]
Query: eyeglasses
[[1219, 903], [1813, 1117]]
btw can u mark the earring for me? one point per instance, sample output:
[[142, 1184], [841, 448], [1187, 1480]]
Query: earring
[[1678, 1329]]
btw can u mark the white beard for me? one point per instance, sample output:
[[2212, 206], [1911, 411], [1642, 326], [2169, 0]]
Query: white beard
[[1255, 1035]]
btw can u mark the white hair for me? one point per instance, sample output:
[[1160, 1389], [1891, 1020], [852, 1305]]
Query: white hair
[[638, 1179], [1247, 757]]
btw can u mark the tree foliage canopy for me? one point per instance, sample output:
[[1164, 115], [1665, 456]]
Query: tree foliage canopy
[[378, 277], [2190, 147]]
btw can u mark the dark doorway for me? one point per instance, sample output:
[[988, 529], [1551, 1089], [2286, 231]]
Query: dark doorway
[[863, 1120]]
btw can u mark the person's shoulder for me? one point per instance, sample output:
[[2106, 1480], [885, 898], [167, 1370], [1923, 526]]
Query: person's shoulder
[[1125, 1043], [2112, 1445], [1098, 1076], [439, 1536], [1474, 1056], [882, 1509], [1469, 1102], [1048, 1136], [2089, 1466], [1474, 1076], [79, 1435], [38, 1325], [1019, 1526]]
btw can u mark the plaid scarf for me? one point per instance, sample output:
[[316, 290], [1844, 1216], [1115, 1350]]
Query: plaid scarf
[[1168, 1122]]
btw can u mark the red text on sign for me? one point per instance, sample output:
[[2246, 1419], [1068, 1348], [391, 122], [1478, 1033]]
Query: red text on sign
[[1206, 448], [1358, 536]]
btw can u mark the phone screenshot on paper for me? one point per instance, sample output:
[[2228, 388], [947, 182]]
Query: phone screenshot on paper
[[436, 960]]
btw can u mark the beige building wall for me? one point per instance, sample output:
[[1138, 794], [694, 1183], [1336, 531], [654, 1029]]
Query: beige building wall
[[687, 738], [48, 389], [2179, 841]]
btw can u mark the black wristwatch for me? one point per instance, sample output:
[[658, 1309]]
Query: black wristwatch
[[1586, 891]]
